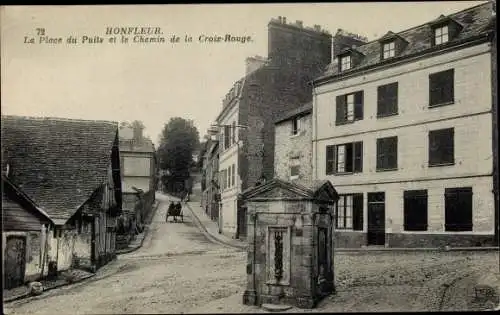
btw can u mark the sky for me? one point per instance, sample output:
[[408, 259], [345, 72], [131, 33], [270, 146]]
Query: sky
[[154, 82]]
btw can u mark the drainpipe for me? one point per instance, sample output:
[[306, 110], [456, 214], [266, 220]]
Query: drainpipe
[[315, 131]]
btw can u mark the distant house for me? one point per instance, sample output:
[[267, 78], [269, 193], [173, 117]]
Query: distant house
[[71, 170], [138, 169], [293, 145], [24, 235]]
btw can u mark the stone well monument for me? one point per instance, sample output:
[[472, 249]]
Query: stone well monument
[[290, 252]]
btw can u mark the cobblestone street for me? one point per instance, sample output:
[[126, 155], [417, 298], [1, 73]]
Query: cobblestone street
[[178, 271]]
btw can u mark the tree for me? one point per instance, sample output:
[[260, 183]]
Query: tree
[[179, 140]]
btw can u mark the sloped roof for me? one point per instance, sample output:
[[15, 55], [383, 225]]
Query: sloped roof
[[9, 203], [307, 190], [304, 109], [473, 21], [57, 162], [145, 145]]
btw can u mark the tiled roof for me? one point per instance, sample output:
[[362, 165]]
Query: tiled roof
[[57, 162], [474, 22], [295, 112], [146, 145]]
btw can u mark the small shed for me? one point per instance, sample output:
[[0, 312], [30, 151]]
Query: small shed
[[290, 242]]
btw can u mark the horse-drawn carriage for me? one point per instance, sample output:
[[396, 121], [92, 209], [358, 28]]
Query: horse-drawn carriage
[[175, 210]]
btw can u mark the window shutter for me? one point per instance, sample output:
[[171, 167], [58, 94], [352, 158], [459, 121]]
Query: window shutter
[[393, 98], [392, 161], [381, 100], [358, 105], [329, 159], [357, 212], [358, 156], [341, 110], [380, 154]]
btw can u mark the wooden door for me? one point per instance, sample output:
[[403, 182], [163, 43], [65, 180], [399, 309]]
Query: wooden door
[[376, 218], [15, 261]]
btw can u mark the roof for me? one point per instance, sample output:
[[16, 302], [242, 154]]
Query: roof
[[57, 162], [319, 190], [144, 146], [8, 202], [474, 22], [302, 110]]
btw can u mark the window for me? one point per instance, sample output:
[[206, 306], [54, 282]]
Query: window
[[388, 50], [441, 88], [227, 136], [387, 153], [387, 103], [294, 168], [349, 107], [233, 138], [458, 209], [233, 175], [295, 125], [349, 212], [441, 35], [415, 210], [228, 174], [345, 63], [441, 147], [344, 158]]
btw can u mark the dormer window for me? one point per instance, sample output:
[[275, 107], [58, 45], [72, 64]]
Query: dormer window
[[441, 35], [389, 50], [345, 63]]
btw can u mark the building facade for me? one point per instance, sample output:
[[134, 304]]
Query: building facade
[[74, 179], [293, 145], [138, 169], [403, 128], [210, 180], [271, 87], [24, 234]]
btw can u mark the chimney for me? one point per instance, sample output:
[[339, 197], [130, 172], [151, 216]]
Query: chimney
[[343, 39], [291, 44], [137, 134], [254, 63], [317, 27]]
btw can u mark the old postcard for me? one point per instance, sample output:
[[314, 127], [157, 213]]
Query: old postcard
[[250, 158]]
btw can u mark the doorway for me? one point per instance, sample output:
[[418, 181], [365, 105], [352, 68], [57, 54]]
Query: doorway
[[15, 261], [376, 218]]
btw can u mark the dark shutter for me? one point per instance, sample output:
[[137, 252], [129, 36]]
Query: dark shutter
[[392, 150], [358, 105], [380, 100], [458, 209], [441, 87], [415, 210], [227, 137], [387, 153], [392, 98], [357, 212], [380, 154], [387, 99], [341, 109], [358, 156], [349, 157], [441, 146], [330, 149]]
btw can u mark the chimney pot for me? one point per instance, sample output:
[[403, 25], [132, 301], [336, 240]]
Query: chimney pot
[[317, 27], [284, 20], [299, 23]]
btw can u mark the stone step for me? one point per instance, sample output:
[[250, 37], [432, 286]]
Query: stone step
[[276, 307]]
